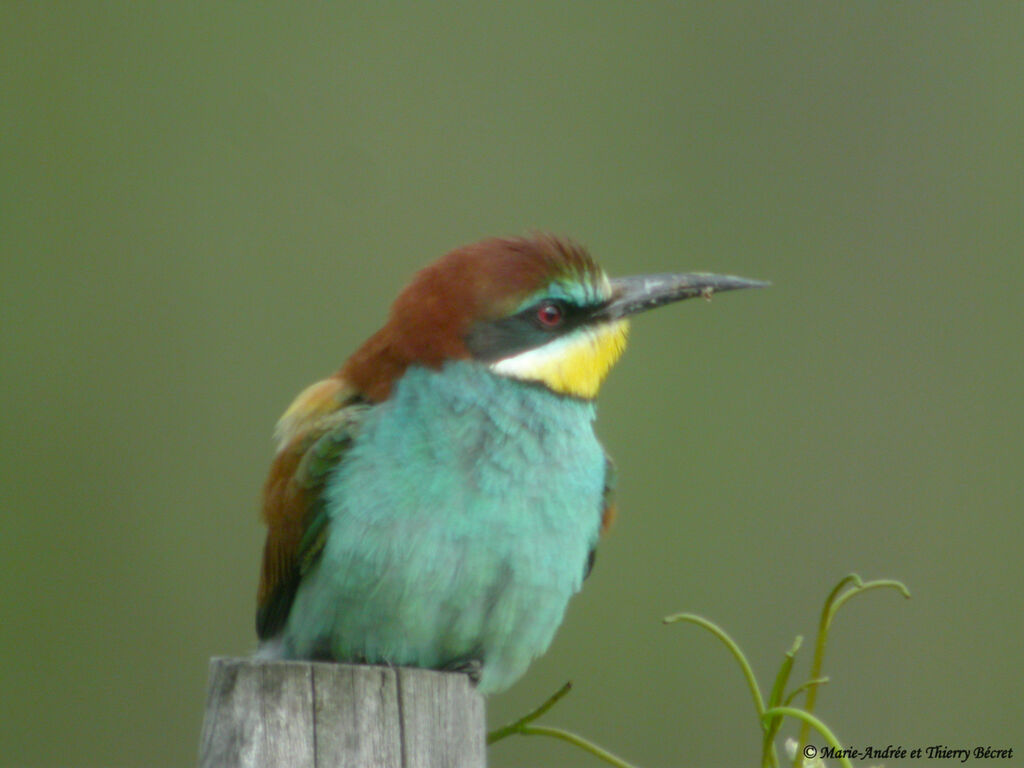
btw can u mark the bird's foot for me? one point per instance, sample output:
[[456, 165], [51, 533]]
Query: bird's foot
[[471, 667]]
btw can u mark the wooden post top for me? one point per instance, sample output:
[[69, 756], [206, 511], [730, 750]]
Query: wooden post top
[[298, 714]]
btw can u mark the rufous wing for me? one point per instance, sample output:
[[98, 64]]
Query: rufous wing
[[313, 435]]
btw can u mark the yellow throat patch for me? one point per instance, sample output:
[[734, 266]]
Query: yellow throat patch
[[571, 365]]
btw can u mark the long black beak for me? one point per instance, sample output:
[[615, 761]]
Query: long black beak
[[642, 292]]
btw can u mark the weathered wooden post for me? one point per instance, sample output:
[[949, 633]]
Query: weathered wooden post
[[294, 714]]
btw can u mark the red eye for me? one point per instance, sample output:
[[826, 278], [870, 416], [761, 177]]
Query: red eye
[[550, 314]]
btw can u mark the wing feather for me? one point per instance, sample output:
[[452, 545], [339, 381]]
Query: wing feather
[[313, 436]]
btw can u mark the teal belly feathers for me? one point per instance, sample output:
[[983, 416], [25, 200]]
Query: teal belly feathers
[[460, 523]]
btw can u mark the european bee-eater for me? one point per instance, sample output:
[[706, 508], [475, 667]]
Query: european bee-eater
[[438, 500]]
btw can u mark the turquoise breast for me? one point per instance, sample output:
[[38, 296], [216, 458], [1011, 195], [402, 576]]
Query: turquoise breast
[[461, 521]]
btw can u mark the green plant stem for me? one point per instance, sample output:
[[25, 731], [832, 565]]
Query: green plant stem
[[734, 649], [819, 660], [809, 721], [828, 612], [579, 741], [775, 696], [797, 691], [516, 726], [769, 757], [899, 586], [522, 727]]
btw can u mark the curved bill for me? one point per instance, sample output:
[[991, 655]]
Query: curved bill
[[640, 293]]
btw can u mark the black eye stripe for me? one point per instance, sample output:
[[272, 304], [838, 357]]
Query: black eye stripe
[[496, 339]]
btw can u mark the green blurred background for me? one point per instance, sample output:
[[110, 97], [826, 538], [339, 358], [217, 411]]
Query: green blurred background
[[205, 207]]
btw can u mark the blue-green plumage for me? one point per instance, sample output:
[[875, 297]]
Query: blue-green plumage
[[459, 524], [437, 501]]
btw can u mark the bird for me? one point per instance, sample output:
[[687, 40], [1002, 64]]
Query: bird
[[439, 499]]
